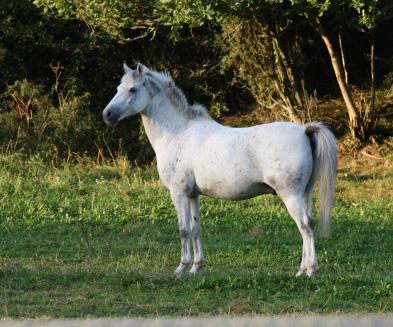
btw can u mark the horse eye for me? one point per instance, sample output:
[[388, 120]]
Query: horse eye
[[133, 90]]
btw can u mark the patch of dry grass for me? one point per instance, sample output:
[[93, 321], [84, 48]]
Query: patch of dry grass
[[364, 177]]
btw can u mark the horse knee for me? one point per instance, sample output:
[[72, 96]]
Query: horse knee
[[307, 222], [184, 233], [195, 233]]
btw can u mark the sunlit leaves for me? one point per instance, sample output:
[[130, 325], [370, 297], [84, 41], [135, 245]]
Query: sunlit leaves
[[120, 19], [370, 12]]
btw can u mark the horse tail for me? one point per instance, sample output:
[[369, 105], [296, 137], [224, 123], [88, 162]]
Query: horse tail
[[324, 152]]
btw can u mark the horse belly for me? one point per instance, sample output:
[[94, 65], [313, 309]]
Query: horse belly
[[225, 169], [233, 182], [233, 192]]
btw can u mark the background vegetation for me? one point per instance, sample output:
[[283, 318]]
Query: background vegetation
[[60, 62]]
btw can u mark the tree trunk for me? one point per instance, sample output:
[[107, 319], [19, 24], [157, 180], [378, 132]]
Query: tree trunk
[[292, 76], [372, 119], [288, 91], [343, 56], [353, 114]]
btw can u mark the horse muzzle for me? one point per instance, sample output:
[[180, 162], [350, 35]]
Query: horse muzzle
[[110, 116]]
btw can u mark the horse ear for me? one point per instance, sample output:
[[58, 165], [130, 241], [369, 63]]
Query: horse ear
[[141, 69], [126, 68]]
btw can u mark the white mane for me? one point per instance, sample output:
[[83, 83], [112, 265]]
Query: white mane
[[174, 94]]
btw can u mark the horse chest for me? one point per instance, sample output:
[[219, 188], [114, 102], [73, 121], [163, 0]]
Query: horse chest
[[175, 173]]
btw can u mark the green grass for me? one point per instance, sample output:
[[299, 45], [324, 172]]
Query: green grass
[[88, 240]]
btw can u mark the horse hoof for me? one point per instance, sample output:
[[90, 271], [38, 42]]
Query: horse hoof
[[196, 269], [312, 270], [181, 270], [299, 273]]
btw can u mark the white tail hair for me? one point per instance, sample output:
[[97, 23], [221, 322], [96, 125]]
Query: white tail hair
[[323, 145]]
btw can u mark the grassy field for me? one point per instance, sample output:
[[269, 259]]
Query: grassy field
[[86, 240]]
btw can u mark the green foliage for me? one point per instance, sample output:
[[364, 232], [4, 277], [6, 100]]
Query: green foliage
[[36, 123], [318, 6], [180, 13], [114, 17], [217, 109], [262, 51], [371, 12]]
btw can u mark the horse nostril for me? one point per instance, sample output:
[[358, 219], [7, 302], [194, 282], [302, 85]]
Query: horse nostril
[[109, 113]]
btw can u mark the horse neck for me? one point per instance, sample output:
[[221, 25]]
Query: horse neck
[[162, 121]]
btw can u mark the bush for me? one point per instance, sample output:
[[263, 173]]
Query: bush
[[35, 122]]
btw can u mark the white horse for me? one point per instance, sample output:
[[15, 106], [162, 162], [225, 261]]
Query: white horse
[[198, 156]]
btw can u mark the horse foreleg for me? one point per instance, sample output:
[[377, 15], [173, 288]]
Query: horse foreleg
[[182, 204], [196, 237]]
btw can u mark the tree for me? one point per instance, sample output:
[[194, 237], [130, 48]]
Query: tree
[[362, 14], [263, 54], [353, 113], [260, 46], [369, 14]]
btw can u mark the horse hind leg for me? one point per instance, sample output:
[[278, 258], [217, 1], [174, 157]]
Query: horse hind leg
[[299, 211], [307, 197]]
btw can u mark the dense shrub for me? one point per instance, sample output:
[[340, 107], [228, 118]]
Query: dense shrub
[[32, 121]]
